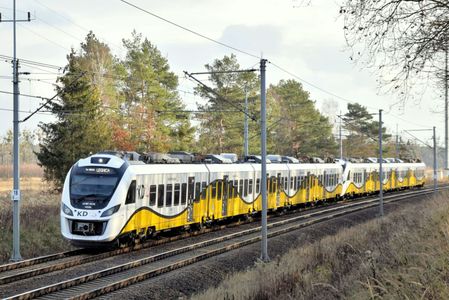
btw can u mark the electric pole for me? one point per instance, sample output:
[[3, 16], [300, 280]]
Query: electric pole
[[245, 129], [434, 161], [446, 123], [397, 142], [341, 139], [263, 127], [15, 195], [381, 181]]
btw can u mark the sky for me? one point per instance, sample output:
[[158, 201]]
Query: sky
[[303, 37]]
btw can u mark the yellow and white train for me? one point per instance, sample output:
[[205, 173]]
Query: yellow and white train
[[107, 198]]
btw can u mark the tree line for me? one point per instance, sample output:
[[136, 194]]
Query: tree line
[[133, 104]]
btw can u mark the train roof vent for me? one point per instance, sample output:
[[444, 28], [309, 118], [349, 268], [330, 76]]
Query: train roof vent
[[159, 158], [274, 158], [130, 156], [216, 159], [182, 156], [290, 160], [232, 156], [255, 159]]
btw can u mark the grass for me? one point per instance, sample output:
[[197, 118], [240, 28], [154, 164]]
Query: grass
[[26, 170], [39, 221], [404, 256]]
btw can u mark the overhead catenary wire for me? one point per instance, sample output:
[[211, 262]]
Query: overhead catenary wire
[[45, 38], [24, 95], [82, 28], [189, 30], [52, 98], [210, 90]]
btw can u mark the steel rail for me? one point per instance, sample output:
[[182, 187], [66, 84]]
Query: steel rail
[[345, 209]]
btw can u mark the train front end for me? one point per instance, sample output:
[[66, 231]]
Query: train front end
[[92, 212]]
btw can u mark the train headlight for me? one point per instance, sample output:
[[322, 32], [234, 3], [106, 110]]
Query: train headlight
[[67, 210], [110, 211]]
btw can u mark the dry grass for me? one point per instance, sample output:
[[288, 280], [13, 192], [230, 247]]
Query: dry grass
[[26, 170], [406, 256], [39, 219], [26, 184]]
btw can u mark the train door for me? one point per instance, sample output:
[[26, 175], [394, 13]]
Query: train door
[[130, 201], [224, 202], [364, 180], [324, 184], [308, 186], [190, 198], [278, 190]]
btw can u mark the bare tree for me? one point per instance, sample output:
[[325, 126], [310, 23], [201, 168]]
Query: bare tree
[[403, 40]]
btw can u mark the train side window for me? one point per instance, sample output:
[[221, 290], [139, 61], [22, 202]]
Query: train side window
[[203, 189], [131, 196], [220, 188], [245, 191], [214, 189], [153, 195], [285, 183], [191, 186], [235, 188], [183, 193], [250, 186], [197, 190], [241, 187], [177, 194], [257, 185], [169, 195], [292, 180], [160, 194]]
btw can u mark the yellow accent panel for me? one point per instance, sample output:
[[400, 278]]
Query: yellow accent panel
[[211, 208]]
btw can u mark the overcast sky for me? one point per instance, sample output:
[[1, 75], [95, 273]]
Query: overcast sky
[[307, 40]]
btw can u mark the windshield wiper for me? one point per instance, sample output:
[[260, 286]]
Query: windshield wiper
[[82, 197]]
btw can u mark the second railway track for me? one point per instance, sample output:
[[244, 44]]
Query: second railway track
[[109, 279]]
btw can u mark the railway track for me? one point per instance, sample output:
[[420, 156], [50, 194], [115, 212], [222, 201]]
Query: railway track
[[50, 263], [110, 279]]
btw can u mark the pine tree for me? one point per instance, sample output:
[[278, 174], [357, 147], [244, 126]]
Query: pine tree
[[298, 128], [151, 113], [362, 140], [221, 128], [81, 126]]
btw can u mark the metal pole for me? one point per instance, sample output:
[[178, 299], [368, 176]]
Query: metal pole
[[263, 128], [381, 182], [245, 129], [341, 140], [16, 191], [397, 142], [434, 161], [446, 123]]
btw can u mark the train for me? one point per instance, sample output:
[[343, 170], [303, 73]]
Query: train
[[114, 198]]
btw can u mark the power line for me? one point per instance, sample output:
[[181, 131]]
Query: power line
[[84, 29], [52, 98], [31, 62], [24, 95], [24, 111], [314, 85], [189, 30], [212, 91], [45, 38]]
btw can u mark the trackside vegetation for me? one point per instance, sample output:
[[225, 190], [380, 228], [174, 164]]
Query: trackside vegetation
[[39, 221], [404, 256]]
